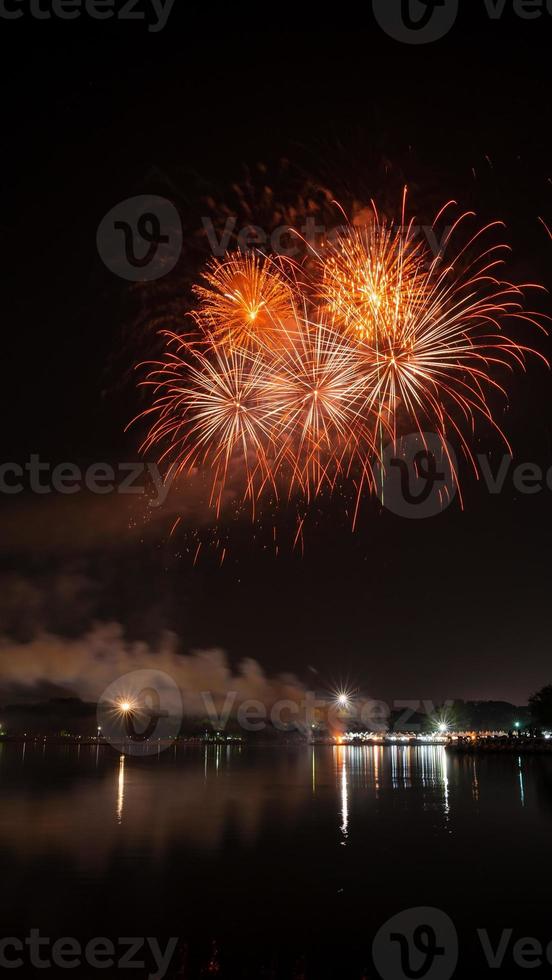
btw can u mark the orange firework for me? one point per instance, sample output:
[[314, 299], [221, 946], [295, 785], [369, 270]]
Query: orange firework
[[245, 298], [432, 360], [281, 415], [390, 339], [367, 274], [210, 411], [311, 396]]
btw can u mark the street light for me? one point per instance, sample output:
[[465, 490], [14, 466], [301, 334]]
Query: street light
[[125, 706], [342, 698]]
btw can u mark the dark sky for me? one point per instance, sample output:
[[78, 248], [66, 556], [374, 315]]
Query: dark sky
[[93, 114]]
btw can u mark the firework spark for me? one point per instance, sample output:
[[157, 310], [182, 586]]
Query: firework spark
[[389, 338], [435, 351], [246, 296], [367, 274], [210, 407], [311, 396]]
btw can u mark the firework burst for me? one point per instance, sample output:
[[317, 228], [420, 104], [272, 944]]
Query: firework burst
[[209, 410], [436, 350], [311, 397], [367, 275], [246, 296], [294, 389]]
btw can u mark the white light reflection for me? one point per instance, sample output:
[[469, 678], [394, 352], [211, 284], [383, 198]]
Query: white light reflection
[[475, 781], [342, 763], [121, 789], [407, 760], [444, 776], [394, 775], [521, 785], [377, 753], [401, 767]]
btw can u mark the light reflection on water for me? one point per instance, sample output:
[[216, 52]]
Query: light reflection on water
[[400, 768], [311, 825], [188, 792], [121, 794]]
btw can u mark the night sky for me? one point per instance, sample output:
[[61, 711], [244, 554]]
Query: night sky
[[450, 607]]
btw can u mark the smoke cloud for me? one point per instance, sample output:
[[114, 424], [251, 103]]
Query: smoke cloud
[[87, 665]]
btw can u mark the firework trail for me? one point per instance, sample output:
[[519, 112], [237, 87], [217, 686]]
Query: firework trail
[[209, 407], [432, 331], [297, 384], [311, 395]]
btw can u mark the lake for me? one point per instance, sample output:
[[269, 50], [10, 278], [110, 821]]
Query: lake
[[272, 861]]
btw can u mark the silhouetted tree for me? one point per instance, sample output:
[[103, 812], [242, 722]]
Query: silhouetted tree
[[541, 707]]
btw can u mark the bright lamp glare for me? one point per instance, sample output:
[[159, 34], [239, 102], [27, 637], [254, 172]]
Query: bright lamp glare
[[125, 706], [342, 699]]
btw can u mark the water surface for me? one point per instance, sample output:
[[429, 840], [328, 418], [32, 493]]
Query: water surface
[[273, 853]]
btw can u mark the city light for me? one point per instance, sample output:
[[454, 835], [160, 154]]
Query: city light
[[125, 706], [343, 698]]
